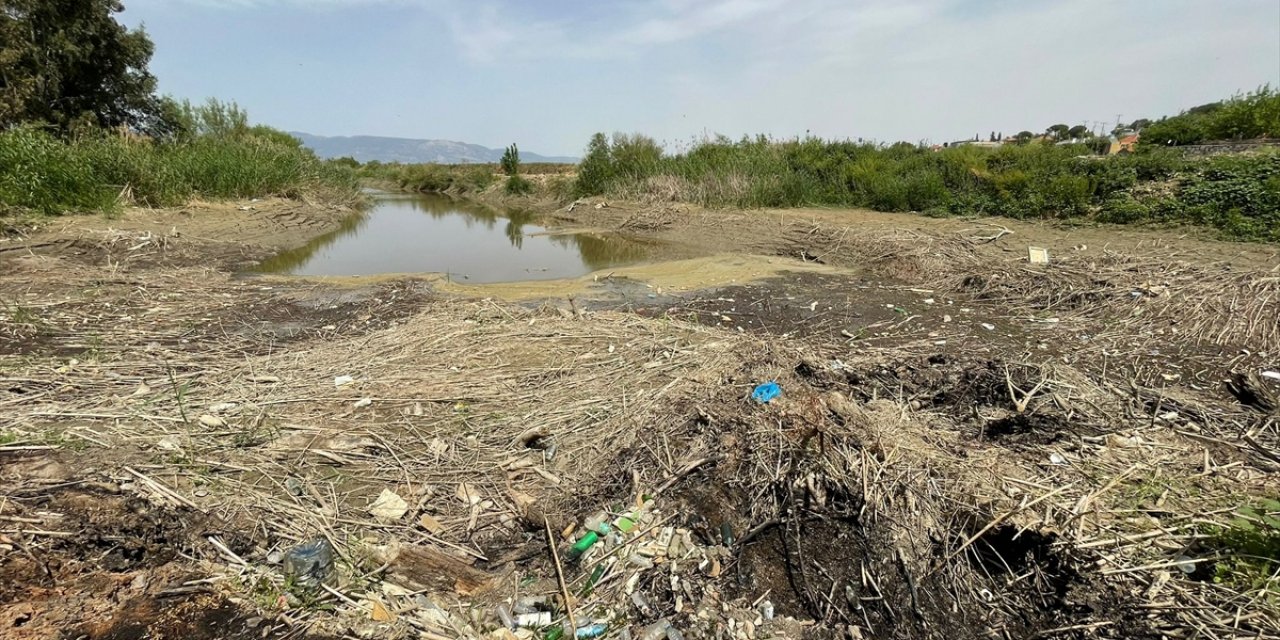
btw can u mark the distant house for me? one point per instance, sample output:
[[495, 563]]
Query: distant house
[[1126, 143]]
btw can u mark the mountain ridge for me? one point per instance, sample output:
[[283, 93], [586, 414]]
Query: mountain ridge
[[411, 150]]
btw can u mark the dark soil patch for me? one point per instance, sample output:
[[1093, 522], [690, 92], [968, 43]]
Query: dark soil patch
[[1025, 428], [96, 564]]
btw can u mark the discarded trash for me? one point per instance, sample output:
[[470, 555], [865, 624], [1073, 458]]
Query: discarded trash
[[988, 326], [766, 392], [533, 619], [656, 630], [1038, 255], [592, 631], [343, 381], [533, 604], [362, 403], [580, 547], [505, 616], [766, 610], [1186, 565], [389, 507], [309, 564], [674, 634], [431, 524], [1271, 375], [212, 421], [1055, 458], [221, 407]]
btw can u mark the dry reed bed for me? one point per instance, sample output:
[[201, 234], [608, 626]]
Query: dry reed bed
[[628, 402], [943, 527]]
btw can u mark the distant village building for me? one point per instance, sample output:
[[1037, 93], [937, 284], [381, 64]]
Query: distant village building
[[1126, 143]]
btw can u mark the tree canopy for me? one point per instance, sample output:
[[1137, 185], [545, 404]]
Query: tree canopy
[[70, 64]]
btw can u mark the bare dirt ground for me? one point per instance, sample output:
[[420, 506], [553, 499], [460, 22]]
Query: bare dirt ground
[[966, 445]]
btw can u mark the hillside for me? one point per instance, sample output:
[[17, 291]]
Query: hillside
[[407, 150]]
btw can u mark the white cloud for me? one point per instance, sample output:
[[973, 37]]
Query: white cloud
[[895, 69]]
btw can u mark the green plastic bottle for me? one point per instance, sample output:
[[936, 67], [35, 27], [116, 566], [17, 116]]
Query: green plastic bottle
[[580, 547]]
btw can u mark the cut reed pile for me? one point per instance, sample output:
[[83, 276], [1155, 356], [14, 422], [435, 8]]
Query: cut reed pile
[[1026, 500]]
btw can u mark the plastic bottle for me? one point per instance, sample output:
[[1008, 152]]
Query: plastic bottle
[[597, 521], [592, 631], [641, 603], [580, 547], [531, 604], [655, 631], [309, 564], [533, 620], [766, 610], [504, 615]]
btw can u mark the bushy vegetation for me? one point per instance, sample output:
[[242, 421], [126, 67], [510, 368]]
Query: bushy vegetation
[[1242, 117], [48, 174], [459, 179], [81, 128], [1236, 194], [465, 179]]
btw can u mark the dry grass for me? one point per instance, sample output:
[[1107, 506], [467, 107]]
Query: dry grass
[[938, 522]]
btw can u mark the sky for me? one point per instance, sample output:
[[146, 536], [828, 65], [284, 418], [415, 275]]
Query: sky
[[547, 74]]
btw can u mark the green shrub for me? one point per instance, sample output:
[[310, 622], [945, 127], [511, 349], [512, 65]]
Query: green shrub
[[518, 186], [50, 175], [1235, 194]]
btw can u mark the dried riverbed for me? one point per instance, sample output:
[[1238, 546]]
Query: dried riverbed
[[967, 445]]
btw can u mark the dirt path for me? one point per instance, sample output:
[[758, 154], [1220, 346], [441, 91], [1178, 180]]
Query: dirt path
[[967, 445]]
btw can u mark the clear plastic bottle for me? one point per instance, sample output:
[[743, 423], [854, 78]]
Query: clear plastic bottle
[[655, 631], [504, 614], [310, 564]]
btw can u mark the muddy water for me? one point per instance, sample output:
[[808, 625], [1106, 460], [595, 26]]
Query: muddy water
[[469, 242]]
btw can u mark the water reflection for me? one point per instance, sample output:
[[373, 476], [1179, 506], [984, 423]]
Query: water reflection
[[413, 234]]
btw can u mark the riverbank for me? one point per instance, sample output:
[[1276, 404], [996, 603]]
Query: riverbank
[[968, 443]]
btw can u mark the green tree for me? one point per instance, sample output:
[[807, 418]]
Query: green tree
[[1078, 132], [70, 64], [597, 169], [1057, 131], [510, 162], [1023, 137]]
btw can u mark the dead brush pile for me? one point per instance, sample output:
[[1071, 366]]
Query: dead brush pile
[[889, 494]]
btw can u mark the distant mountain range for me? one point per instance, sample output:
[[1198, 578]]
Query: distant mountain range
[[366, 148]]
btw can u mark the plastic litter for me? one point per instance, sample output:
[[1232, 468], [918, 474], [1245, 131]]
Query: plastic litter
[[505, 616], [1271, 375], [641, 603], [766, 392], [342, 381], [309, 564], [580, 547], [592, 631], [1186, 565], [656, 630], [533, 620], [532, 604], [766, 610]]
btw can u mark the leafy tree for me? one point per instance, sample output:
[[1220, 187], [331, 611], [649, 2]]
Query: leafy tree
[[1023, 137], [510, 162], [70, 64], [597, 169], [1139, 124], [1057, 131], [1078, 132]]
